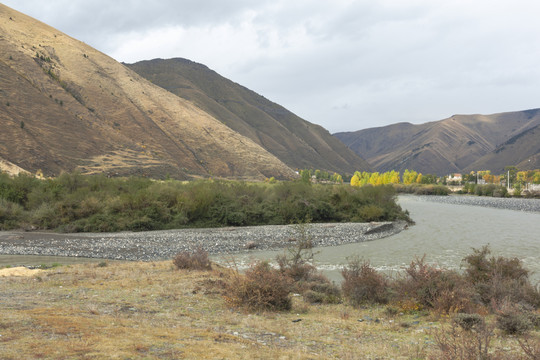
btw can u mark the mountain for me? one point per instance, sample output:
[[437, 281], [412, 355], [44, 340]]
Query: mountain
[[298, 143], [459, 143], [521, 150], [66, 106]]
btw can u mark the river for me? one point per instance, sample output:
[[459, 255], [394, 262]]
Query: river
[[444, 233]]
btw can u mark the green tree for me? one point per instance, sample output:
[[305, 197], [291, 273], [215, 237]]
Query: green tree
[[305, 176]]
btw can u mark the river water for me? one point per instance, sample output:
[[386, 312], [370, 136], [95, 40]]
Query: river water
[[444, 233]]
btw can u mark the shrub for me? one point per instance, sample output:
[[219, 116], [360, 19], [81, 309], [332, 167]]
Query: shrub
[[363, 284], [530, 346], [516, 319], [469, 321], [370, 213], [260, 288], [438, 289], [321, 291], [135, 203], [10, 214], [514, 322], [500, 279], [296, 263], [458, 342], [197, 260]]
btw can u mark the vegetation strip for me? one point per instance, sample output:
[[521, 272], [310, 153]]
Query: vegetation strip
[[76, 203]]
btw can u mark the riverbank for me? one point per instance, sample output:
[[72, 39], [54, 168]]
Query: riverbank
[[160, 245], [519, 204]]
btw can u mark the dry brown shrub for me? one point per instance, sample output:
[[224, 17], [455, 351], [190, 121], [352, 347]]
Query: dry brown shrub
[[444, 291], [458, 342], [260, 288], [363, 284], [498, 279], [197, 260], [530, 346]]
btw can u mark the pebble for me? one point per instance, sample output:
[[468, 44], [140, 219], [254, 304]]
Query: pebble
[[165, 244], [520, 204]]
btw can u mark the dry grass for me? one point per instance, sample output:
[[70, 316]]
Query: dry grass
[[154, 311]]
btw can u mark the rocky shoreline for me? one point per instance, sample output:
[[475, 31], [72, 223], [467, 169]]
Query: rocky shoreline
[[519, 204], [160, 245]]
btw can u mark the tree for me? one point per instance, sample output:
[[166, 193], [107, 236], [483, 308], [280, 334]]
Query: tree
[[374, 179], [536, 177], [337, 178], [306, 176], [510, 170], [355, 180], [409, 176], [394, 177]]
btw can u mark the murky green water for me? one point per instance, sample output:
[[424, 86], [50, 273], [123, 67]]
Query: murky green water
[[445, 233]]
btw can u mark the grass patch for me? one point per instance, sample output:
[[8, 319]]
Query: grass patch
[[155, 311]]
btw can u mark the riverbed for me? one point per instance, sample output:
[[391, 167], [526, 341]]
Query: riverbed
[[446, 230]]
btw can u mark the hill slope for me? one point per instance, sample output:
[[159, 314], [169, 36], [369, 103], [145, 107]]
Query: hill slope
[[296, 142], [461, 142], [521, 150], [66, 106]]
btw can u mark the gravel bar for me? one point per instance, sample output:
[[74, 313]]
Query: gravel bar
[[520, 204], [160, 245]]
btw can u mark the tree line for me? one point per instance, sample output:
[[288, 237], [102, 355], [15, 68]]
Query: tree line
[[409, 177]]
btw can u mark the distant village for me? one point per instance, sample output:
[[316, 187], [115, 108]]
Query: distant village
[[512, 181], [519, 180]]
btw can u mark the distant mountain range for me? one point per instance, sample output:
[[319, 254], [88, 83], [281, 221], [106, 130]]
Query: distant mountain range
[[298, 143], [65, 106], [461, 143]]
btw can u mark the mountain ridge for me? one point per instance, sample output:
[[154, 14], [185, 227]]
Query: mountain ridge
[[65, 106], [299, 143], [455, 144]]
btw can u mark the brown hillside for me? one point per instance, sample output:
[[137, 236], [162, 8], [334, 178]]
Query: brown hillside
[[521, 150], [298, 143], [66, 106], [450, 145]]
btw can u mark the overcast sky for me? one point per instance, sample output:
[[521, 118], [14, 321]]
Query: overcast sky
[[346, 65]]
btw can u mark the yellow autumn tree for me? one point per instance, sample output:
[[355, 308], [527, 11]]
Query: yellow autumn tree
[[355, 180]]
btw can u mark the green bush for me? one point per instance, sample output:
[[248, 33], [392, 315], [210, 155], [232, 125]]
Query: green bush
[[514, 322], [422, 189], [95, 202], [11, 214], [469, 321]]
